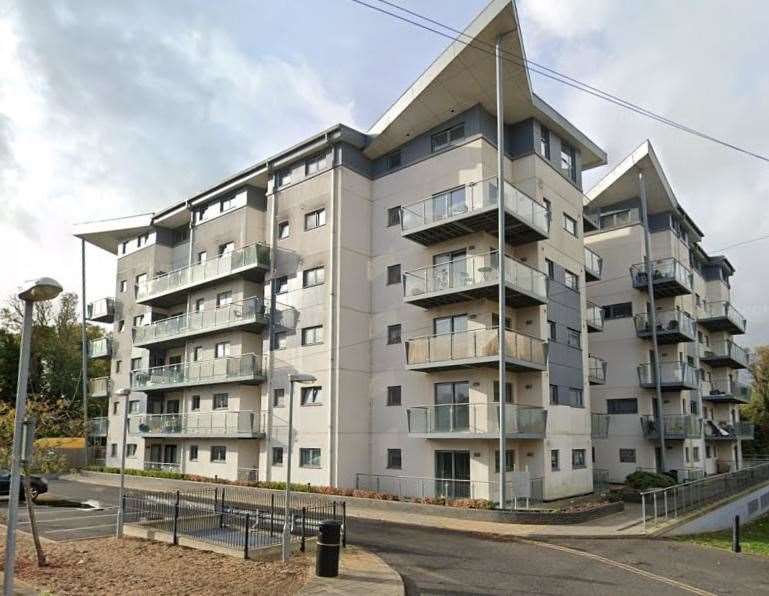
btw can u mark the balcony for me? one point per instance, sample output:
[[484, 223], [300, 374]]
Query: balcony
[[99, 387], [476, 421], [472, 278], [723, 431], [599, 425], [101, 311], [673, 326], [167, 289], [593, 265], [217, 424], [678, 427], [473, 208], [100, 348], [246, 369], [596, 370], [725, 390], [478, 347], [97, 427], [594, 316], [724, 353], [675, 376], [669, 277], [722, 316], [246, 315]]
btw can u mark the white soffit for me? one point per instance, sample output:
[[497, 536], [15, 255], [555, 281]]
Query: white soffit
[[109, 233]]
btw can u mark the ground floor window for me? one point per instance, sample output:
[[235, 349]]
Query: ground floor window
[[577, 458], [309, 457], [555, 460], [218, 453], [627, 456], [509, 461], [130, 450], [193, 453], [113, 450], [394, 460], [277, 456]]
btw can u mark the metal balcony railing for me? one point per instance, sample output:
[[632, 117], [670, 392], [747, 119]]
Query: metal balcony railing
[[97, 426], [216, 424], [250, 310], [99, 387], [732, 431], [593, 265], [725, 386], [100, 348], [472, 197], [599, 425], [669, 277], [724, 353], [163, 466], [721, 315], [596, 370], [475, 344], [671, 324], [245, 368], [253, 255], [674, 373], [465, 419], [102, 310], [594, 315], [473, 271], [680, 426]]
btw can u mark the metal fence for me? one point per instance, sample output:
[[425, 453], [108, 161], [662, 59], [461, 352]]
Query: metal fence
[[233, 519], [661, 504]]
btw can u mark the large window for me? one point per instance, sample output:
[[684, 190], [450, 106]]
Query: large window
[[309, 457], [441, 140], [311, 396], [315, 219], [622, 406], [312, 336], [218, 453], [621, 310], [578, 458], [394, 459], [394, 395]]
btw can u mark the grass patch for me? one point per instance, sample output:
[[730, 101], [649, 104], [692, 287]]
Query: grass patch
[[754, 538]]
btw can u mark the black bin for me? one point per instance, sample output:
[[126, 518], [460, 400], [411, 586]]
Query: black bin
[[327, 553]]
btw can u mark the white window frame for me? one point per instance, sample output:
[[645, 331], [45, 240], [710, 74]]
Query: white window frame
[[311, 396], [310, 457], [315, 219]]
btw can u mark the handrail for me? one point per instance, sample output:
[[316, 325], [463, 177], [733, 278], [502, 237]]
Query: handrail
[[724, 308], [670, 372], [667, 321], [217, 369], [218, 423], [478, 418], [668, 268], [676, 425], [726, 349]]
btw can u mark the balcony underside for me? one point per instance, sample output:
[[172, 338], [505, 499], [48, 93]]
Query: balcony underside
[[671, 385], [721, 438], [175, 296], [724, 398], [102, 318], [515, 297], [721, 324], [666, 336], [488, 361], [208, 434], [664, 288], [591, 275], [593, 328], [180, 339], [475, 435], [240, 380], [481, 220], [721, 361], [596, 381]]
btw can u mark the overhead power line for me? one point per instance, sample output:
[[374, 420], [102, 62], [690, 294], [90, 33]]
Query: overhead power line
[[549, 73]]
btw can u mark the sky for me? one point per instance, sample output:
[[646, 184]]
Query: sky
[[110, 108]]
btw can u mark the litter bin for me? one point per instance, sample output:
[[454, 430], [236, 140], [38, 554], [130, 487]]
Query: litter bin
[[327, 552]]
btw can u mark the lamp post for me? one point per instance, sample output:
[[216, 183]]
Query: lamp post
[[124, 393], [39, 290], [294, 378]]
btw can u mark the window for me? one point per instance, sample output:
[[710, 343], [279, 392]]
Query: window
[[573, 338], [548, 208], [124, 247], [284, 230], [686, 454], [134, 406], [222, 349], [193, 453], [622, 406], [197, 353], [130, 450], [309, 457], [394, 395], [393, 334], [280, 285], [200, 304], [311, 396], [394, 459], [120, 326], [226, 248], [393, 274], [280, 340], [123, 285], [195, 405], [142, 240], [136, 363], [393, 160], [115, 406], [218, 453], [441, 140], [696, 453], [315, 164], [508, 392], [113, 450], [708, 455], [284, 177], [223, 298], [620, 218], [315, 219], [544, 142], [554, 395], [550, 268], [393, 216], [555, 460], [220, 401], [577, 458], [139, 280], [568, 163], [576, 400], [277, 456], [202, 256], [118, 365], [278, 397], [627, 456], [509, 461], [313, 277], [571, 280], [618, 311], [552, 330], [312, 336], [570, 225], [226, 204], [138, 320]]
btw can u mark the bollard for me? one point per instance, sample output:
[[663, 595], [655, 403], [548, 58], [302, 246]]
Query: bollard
[[272, 515], [344, 524], [327, 553], [245, 545], [176, 519], [304, 534], [736, 535]]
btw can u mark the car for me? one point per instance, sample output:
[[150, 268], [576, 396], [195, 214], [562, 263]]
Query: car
[[37, 487]]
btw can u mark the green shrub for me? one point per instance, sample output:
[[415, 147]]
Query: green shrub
[[645, 480]]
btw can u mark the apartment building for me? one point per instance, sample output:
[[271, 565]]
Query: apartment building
[[370, 261], [695, 320]]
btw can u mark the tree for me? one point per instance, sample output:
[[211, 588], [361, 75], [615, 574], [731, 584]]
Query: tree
[[757, 411]]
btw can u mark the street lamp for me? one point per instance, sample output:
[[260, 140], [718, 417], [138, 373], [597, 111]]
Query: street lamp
[[38, 290], [293, 378], [124, 393]]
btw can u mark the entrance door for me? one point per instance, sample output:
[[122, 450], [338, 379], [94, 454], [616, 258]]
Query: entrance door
[[452, 472], [450, 270], [452, 412]]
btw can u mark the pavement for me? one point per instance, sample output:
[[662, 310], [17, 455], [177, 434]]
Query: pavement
[[360, 572]]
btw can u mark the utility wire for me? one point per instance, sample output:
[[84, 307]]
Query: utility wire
[[555, 75]]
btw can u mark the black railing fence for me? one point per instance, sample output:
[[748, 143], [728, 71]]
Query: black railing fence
[[231, 518]]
